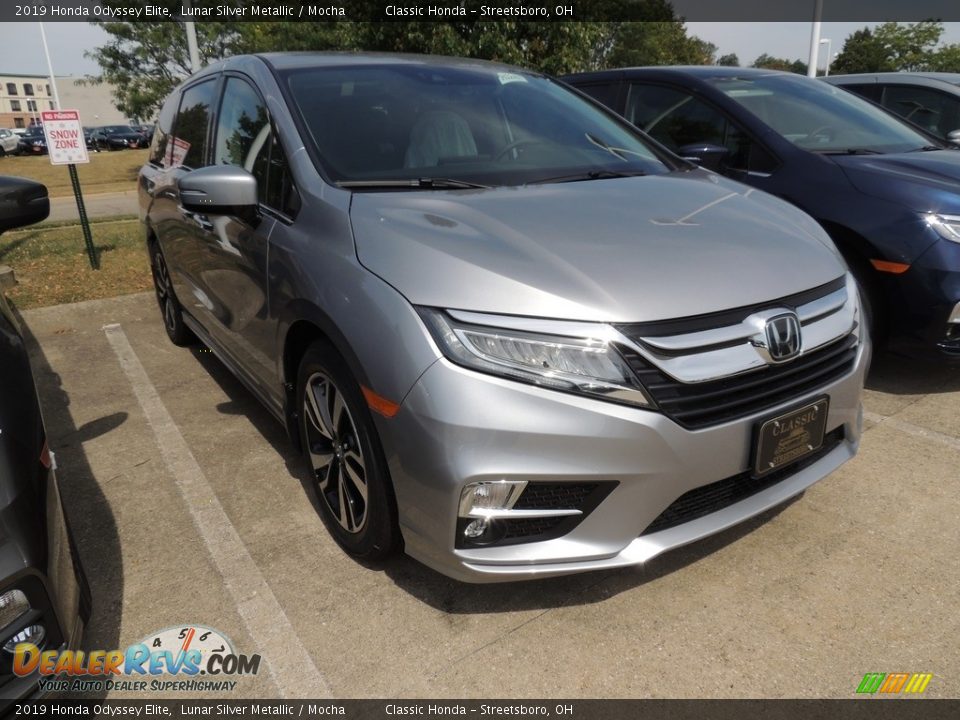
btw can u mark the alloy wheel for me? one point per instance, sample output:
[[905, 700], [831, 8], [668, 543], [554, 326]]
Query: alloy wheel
[[335, 454], [164, 290]]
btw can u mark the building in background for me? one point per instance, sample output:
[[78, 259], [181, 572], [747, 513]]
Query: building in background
[[24, 97]]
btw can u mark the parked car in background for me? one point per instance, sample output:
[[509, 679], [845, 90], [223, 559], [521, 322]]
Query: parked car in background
[[44, 598], [89, 137], [145, 130], [33, 141], [118, 137], [9, 142], [506, 330], [888, 195], [931, 101]]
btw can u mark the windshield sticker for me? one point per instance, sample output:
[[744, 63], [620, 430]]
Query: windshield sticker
[[506, 77]]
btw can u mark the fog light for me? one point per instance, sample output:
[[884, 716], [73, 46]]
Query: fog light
[[478, 499], [13, 604], [476, 528], [34, 634]]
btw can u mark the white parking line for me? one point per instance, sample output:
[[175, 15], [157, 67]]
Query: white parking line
[[291, 666], [911, 429]]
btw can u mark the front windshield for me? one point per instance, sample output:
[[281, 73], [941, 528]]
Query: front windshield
[[819, 117], [406, 122], [116, 129]]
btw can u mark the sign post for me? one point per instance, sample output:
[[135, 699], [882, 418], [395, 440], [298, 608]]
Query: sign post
[[66, 145]]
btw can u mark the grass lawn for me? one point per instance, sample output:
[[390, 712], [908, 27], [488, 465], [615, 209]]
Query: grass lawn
[[51, 263], [106, 171]]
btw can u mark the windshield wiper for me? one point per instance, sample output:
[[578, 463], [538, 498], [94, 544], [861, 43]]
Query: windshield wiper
[[849, 151], [416, 183], [927, 148], [589, 175]]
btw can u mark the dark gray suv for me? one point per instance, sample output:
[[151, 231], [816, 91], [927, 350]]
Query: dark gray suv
[[507, 330]]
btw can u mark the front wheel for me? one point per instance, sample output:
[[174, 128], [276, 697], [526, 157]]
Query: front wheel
[[872, 301], [177, 331], [344, 458]]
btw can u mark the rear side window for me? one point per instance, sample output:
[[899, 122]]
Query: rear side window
[[605, 93], [189, 146], [934, 111], [871, 91], [159, 152], [677, 118]]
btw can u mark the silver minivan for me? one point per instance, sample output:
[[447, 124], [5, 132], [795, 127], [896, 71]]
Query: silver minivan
[[509, 332]]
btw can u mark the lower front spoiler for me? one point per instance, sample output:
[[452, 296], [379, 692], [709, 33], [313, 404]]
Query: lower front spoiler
[[647, 547]]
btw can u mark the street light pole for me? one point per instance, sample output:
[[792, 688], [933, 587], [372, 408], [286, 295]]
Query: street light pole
[[192, 46], [815, 39], [826, 67]]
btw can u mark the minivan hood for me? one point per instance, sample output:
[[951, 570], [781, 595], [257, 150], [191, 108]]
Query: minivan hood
[[617, 250], [922, 181]]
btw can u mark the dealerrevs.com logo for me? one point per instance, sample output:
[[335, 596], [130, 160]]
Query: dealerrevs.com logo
[[894, 683], [178, 654]]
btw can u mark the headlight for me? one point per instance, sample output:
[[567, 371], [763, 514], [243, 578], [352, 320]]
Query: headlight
[[947, 226], [581, 364]]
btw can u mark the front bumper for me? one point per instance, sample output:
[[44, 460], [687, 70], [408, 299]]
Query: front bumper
[[56, 585], [457, 427], [924, 304]]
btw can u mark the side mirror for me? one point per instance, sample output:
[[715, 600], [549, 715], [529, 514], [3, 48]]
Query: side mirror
[[22, 202], [954, 137], [706, 154], [218, 190]]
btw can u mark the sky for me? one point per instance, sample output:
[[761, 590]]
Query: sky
[[21, 51]]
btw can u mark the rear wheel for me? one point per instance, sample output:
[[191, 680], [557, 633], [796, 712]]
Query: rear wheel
[[177, 331], [344, 457]]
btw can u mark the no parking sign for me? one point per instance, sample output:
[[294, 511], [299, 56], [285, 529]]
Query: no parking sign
[[65, 142]]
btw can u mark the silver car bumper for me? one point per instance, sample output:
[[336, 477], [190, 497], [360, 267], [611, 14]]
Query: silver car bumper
[[457, 426]]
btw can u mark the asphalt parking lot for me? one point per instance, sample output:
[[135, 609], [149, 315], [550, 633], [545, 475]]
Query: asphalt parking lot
[[189, 507]]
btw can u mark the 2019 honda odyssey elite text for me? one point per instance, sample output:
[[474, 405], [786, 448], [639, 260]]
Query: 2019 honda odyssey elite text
[[509, 332]]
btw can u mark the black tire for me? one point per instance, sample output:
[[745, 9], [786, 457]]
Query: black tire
[[344, 458], [871, 301], [170, 309]]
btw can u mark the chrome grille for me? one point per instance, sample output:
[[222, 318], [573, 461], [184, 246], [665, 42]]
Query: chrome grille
[[703, 404], [712, 369]]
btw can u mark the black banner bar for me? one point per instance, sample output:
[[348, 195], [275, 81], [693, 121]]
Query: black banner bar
[[873, 708], [474, 10]]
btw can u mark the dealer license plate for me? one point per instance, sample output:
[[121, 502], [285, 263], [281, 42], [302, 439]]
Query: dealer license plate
[[787, 438]]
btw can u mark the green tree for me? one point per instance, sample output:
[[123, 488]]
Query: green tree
[[946, 59], [659, 43], [862, 52], [729, 60], [891, 47], [144, 61], [774, 63]]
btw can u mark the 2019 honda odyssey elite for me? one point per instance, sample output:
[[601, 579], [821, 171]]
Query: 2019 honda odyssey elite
[[508, 331]]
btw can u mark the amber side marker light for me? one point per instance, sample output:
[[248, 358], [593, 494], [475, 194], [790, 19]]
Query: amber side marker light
[[379, 403], [894, 268]]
